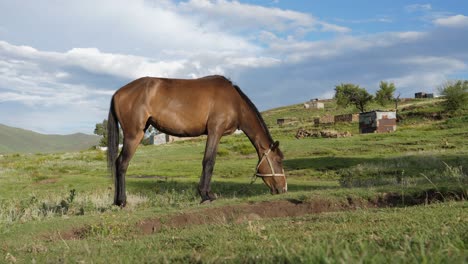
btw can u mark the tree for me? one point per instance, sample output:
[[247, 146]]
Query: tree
[[385, 94], [101, 130], [351, 94], [456, 95]]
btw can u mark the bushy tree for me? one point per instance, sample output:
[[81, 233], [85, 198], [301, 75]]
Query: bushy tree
[[101, 130], [456, 95], [351, 94], [385, 94]]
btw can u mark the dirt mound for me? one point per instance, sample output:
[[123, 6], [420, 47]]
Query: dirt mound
[[241, 213], [281, 208], [292, 208]]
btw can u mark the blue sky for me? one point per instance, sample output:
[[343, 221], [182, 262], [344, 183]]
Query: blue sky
[[61, 61]]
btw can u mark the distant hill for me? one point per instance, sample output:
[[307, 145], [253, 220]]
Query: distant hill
[[17, 140]]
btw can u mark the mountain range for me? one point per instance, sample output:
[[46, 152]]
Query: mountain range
[[17, 140]]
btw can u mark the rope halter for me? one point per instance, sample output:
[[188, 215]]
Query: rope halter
[[272, 174]]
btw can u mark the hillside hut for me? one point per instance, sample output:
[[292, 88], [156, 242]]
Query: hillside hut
[[347, 118], [326, 119], [159, 139], [285, 121], [423, 95], [377, 122], [315, 104], [419, 95], [162, 138]]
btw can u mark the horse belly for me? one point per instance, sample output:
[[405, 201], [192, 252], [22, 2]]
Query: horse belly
[[179, 123]]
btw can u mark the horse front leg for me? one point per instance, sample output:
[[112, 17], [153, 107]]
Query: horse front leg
[[204, 187]]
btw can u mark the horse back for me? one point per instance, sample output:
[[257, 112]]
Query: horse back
[[180, 107]]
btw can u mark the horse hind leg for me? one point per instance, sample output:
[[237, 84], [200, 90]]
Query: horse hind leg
[[128, 150]]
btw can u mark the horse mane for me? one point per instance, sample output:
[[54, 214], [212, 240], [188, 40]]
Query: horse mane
[[253, 107]]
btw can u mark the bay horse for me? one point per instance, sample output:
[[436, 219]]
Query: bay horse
[[211, 106]]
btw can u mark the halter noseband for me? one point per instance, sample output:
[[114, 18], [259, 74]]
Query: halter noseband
[[272, 174]]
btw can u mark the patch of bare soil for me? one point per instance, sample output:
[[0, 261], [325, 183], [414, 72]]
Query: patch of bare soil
[[290, 208], [281, 208], [240, 213], [47, 181]]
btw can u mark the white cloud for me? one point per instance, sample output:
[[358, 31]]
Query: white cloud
[[423, 82], [452, 21], [296, 51], [253, 62], [418, 7], [427, 71], [236, 15], [130, 66], [35, 78], [448, 64], [121, 65], [384, 19], [332, 27], [148, 26]]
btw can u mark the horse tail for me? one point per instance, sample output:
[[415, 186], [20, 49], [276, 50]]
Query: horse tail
[[112, 139]]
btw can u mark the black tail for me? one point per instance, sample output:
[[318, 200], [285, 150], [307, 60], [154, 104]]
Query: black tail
[[112, 139]]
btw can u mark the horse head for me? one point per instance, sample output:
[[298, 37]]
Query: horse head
[[270, 169]]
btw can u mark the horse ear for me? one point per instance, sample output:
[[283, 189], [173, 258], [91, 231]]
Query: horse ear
[[275, 145]]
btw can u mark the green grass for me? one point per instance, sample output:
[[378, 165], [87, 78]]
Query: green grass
[[43, 197], [423, 234]]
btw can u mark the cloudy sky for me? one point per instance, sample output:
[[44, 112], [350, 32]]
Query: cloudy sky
[[61, 61]]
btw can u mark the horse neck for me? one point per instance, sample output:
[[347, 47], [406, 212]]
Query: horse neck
[[256, 133]]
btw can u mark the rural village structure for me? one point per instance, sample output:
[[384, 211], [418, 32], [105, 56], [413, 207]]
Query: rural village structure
[[346, 118], [423, 95], [369, 122], [285, 121], [314, 104], [377, 121], [326, 119], [161, 138]]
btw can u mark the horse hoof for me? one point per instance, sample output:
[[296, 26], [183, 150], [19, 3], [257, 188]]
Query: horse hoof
[[120, 204], [208, 197], [208, 201], [212, 196]]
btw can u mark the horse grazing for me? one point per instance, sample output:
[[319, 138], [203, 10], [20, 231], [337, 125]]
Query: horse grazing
[[211, 106]]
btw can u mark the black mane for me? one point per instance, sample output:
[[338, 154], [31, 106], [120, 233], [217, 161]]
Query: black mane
[[257, 113]]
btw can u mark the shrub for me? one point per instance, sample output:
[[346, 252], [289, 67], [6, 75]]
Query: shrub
[[456, 95], [385, 94]]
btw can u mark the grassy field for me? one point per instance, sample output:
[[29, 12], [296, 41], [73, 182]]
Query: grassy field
[[374, 198]]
